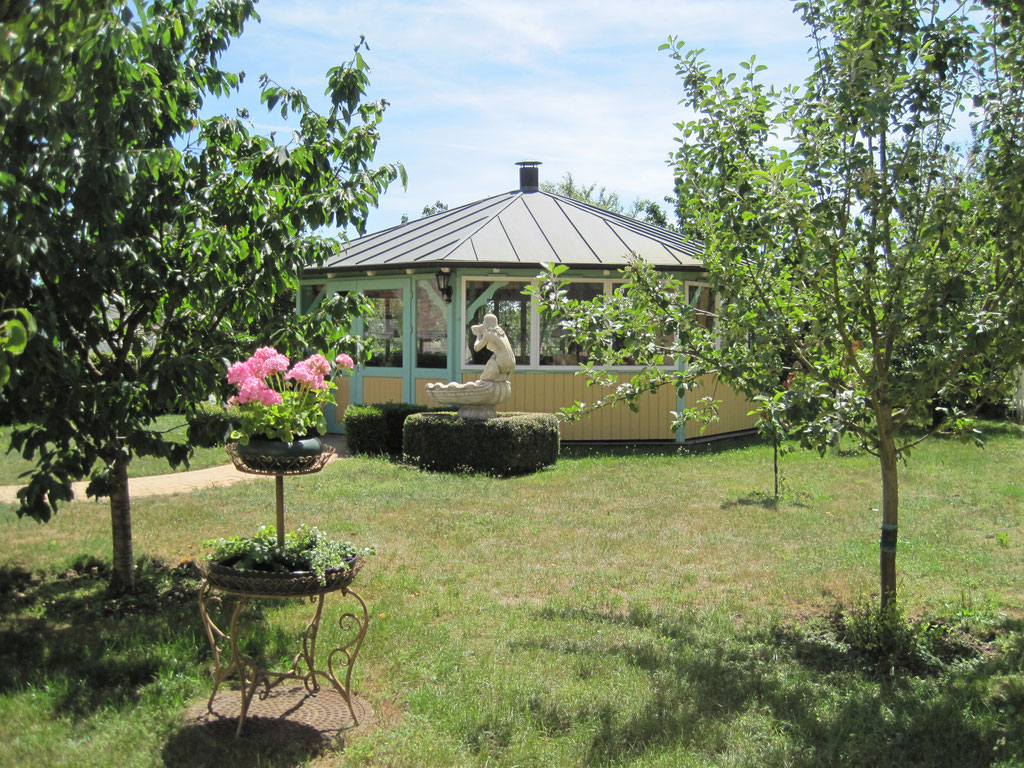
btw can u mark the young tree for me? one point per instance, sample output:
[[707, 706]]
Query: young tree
[[145, 239], [860, 252]]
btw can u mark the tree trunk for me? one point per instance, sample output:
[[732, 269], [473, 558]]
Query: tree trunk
[[775, 465], [123, 578], [890, 506]]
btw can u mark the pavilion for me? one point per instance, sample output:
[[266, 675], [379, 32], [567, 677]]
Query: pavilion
[[430, 279]]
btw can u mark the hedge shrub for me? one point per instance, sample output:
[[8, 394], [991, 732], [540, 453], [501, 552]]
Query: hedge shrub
[[509, 444], [209, 425], [376, 428]]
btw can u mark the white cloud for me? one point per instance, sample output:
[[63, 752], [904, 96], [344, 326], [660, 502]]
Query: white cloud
[[475, 85]]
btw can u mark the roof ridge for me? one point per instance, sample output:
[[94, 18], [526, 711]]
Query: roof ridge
[[513, 195]]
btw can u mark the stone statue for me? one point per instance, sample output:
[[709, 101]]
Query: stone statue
[[476, 399]]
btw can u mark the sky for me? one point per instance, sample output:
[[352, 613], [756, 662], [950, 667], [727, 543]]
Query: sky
[[476, 85]]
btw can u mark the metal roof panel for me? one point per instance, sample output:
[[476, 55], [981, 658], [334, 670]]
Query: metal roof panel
[[518, 227]]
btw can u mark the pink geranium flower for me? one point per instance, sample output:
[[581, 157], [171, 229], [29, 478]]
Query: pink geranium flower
[[270, 397], [252, 391], [318, 364], [264, 353], [277, 364], [303, 375], [239, 373], [279, 402]]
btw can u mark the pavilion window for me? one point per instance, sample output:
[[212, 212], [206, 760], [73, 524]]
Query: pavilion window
[[555, 345], [537, 342], [701, 297], [431, 326], [384, 327], [505, 300]]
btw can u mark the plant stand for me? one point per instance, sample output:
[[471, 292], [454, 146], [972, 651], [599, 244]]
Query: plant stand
[[245, 586], [279, 467], [229, 658]]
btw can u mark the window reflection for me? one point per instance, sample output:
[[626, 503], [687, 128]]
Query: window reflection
[[431, 326], [555, 346], [505, 300], [384, 327]]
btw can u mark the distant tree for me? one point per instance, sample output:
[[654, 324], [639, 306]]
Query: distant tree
[[641, 209], [148, 241], [856, 251], [428, 210], [438, 207]]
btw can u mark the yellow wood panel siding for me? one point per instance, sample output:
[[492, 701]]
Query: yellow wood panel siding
[[732, 410], [380, 389], [341, 394], [549, 392], [421, 391]]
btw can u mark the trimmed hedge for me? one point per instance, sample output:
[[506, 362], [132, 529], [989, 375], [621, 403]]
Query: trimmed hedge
[[509, 444], [376, 428], [209, 425]]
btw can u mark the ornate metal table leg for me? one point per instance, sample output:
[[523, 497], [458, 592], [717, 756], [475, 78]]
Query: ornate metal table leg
[[215, 635], [347, 654], [249, 675], [308, 653], [304, 665]]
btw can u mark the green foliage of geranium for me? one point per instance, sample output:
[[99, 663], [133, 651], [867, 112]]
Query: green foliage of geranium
[[279, 401], [294, 417], [307, 549]]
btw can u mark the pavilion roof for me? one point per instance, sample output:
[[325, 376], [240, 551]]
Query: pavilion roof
[[526, 227]]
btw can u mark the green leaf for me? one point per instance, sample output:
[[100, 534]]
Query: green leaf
[[14, 336]]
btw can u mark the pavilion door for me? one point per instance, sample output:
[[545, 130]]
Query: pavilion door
[[431, 358], [388, 330]]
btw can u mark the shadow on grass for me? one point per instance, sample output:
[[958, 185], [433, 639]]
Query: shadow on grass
[[753, 499], [765, 500], [778, 695], [264, 743], [90, 651], [582, 450]]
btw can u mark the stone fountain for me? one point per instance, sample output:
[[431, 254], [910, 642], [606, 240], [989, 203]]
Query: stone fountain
[[477, 399]]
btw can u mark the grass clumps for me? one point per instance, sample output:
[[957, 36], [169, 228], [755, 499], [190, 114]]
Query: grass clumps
[[885, 643]]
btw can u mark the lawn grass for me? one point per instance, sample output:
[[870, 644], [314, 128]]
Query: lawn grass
[[651, 609], [12, 465]]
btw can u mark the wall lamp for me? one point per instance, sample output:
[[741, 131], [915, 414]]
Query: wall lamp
[[444, 284]]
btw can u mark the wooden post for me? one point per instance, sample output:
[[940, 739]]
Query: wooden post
[[279, 483]]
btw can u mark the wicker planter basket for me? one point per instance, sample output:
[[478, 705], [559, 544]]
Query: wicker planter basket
[[276, 460], [279, 584]]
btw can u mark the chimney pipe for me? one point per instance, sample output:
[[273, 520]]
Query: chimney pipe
[[529, 175]]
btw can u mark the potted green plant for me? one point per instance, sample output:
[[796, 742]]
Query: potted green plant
[[279, 408], [307, 561]]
